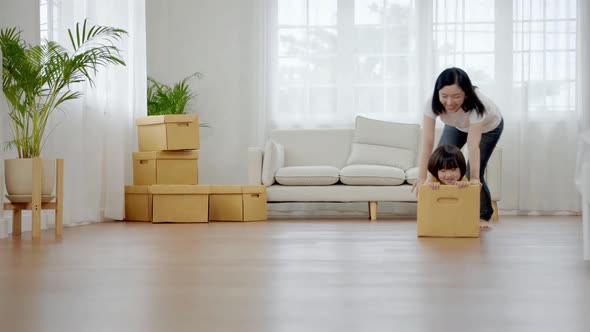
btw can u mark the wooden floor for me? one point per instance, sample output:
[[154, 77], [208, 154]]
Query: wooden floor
[[527, 274]]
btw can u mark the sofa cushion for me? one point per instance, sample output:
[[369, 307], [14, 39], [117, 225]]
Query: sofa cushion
[[384, 143], [308, 175], [273, 159], [411, 175], [372, 175]]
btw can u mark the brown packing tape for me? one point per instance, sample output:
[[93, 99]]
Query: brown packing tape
[[170, 118], [226, 189], [177, 155], [180, 189], [166, 155]]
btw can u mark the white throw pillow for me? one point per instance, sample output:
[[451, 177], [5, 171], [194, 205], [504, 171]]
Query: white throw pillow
[[412, 175], [401, 135], [384, 143], [372, 175], [308, 175], [273, 159]]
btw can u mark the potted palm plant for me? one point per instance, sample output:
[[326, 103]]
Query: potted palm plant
[[39, 79]]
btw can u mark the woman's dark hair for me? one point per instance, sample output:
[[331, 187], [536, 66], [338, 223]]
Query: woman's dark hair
[[446, 157], [457, 76]]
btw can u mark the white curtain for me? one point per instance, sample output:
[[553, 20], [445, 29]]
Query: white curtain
[[331, 60], [583, 69], [96, 134]]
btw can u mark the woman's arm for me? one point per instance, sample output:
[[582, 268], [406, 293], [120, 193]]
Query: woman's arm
[[473, 139], [425, 150]]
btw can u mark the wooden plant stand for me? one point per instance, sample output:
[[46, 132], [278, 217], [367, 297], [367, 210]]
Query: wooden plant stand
[[36, 205]]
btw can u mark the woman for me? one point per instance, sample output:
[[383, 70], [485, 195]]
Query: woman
[[469, 117]]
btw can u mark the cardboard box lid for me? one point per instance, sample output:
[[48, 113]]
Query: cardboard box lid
[[165, 155], [216, 189], [175, 189], [254, 189], [169, 118], [137, 189]]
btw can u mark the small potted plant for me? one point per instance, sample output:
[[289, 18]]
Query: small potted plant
[[164, 99], [39, 79]]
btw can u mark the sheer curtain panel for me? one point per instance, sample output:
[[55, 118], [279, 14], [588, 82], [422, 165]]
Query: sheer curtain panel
[[96, 134]]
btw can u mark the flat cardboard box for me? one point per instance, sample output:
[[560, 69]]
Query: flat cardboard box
[[237, 203], [168, 132], [448, 211], [138, 203], [180, 203], [165, 167]]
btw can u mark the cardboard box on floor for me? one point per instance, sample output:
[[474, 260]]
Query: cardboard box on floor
[[180, 203], [237, 203], [168, 132], [138, 203], [165, 167], [448, 211]]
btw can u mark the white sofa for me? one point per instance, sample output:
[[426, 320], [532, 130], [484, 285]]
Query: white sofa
[[314, 149]]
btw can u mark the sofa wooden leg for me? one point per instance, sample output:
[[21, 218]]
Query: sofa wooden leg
[[373, 210], [495, 217]]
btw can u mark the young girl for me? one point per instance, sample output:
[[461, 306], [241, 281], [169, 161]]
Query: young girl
[[447, 166]]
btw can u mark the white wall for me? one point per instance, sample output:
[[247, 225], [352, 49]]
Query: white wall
[[219, 39], [23, 14]]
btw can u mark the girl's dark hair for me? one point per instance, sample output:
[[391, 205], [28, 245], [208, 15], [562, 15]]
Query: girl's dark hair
[[446, 157], [457, 76]]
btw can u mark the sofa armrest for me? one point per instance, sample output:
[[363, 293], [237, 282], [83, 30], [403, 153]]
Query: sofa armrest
[[494, 174], [255, 155]]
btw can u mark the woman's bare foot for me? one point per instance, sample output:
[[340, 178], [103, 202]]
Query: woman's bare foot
[[484, 225]]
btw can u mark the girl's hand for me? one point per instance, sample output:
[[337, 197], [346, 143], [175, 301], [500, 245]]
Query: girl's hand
[[433, 185], [416, 186], [462, 184]]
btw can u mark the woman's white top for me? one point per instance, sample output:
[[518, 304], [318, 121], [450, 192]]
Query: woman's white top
[[462, 120]]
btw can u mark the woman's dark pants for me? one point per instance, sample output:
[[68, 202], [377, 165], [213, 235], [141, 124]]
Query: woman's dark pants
[[453, 136]]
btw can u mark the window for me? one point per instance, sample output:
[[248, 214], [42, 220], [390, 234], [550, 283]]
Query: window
[[464, 33], [48, 15], [544, 53], [339, 58]]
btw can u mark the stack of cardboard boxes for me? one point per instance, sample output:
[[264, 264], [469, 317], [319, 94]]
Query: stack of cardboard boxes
[[165, 178]]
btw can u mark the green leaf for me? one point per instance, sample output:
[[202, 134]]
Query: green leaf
[[165, 99], [38, 79]]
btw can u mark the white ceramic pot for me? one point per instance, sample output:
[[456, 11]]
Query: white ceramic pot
[[19, 178]]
